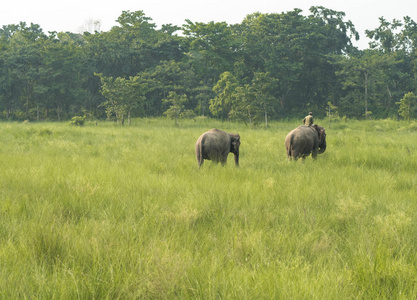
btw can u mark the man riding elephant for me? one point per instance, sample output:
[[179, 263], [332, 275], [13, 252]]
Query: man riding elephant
[[308, 120]]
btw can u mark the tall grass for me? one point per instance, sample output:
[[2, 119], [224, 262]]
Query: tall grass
[[124, 212]]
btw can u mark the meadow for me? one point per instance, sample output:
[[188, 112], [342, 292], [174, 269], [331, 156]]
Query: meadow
[[109, 212]]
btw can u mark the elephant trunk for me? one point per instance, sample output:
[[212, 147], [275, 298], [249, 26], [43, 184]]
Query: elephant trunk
[[322, 147], [237, 158]]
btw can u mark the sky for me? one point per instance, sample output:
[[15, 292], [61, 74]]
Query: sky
[[74, 15]]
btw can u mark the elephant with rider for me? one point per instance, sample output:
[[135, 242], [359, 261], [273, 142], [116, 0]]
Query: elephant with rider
[[305, 140]]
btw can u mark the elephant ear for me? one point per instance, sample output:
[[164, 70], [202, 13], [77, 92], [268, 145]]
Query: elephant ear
[[321, 132], [235, 143], [235, 138]]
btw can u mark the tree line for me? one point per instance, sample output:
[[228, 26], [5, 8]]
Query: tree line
[[270, 66]]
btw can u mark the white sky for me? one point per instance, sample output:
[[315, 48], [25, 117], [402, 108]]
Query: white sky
[[71, 15]]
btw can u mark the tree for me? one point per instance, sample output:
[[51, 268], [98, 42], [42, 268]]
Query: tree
[[271, 43], [365, 82], [244, 105], [176, 107], [135, 89], [263, 85], [221, 105], [132, 47], [60, 84], [296, 49], [123, 96], [6, 99], [236, 66], [211, 50], [254, 101], [331, 111], [408, 106], [22, 60], [395, 41], [384, 37], [336, 33], [408, 36]]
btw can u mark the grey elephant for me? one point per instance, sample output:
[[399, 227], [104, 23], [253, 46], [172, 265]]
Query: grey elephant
[[305, 140], [216, 145]]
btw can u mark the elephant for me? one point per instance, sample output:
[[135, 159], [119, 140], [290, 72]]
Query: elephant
[[303, 140], [216, 145]]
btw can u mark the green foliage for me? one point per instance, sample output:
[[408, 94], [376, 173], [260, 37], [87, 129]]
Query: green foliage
[[384, 36], [248, 102], [221, 105], [244, 105], [83, 217], [175, 110], [77, 121], [123, 95], [188, 114], [284, 62], [408, 106]]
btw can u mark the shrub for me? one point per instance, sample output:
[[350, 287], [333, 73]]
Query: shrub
[[77, 121]]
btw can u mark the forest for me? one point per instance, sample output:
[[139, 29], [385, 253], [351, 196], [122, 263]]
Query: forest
[[269, 67]]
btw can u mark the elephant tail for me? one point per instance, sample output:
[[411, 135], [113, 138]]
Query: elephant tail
[[199, 152], [288, 145]]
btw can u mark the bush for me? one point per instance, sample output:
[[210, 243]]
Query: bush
[[188, 114], [77, 121]]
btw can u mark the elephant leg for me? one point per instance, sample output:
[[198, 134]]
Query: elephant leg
[[223, 161], [200, 162], [199, 154], [223, 158], [295, 155], [237, 160]]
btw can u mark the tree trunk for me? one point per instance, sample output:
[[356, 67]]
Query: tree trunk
[[203, 108], [266, 120], [27, 105], [329, 114], [58, 114], [390, 96], [117, 117], [27, 99], [366, 94]]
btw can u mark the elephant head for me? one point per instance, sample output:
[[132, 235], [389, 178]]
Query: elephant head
[[322, 139], [234, 146]]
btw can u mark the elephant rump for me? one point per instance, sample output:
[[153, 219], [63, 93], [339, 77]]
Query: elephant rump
[[302, 141]]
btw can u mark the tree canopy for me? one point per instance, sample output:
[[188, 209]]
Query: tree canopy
[[269, 66]]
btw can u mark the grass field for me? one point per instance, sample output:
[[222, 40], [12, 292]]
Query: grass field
[[107, 212]]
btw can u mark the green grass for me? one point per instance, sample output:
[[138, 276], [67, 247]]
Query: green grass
[[111, 212]]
